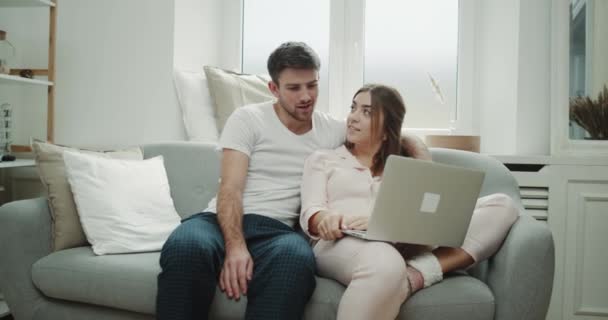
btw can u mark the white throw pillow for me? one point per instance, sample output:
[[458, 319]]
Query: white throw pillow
[[197, 107], [124, 205]]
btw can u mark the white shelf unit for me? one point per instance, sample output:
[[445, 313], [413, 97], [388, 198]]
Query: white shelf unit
[[14, 79], [17, 163], [26, 3], [10, 79]]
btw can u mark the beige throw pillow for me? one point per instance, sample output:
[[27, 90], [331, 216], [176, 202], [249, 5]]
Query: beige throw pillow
[[230, 90], [66, 229]]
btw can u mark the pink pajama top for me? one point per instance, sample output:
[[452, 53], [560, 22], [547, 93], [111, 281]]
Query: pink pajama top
[[334, 180]]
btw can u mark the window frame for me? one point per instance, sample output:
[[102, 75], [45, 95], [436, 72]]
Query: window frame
[[347, 62]]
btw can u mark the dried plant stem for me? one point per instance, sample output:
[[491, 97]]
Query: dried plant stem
[[591, 115]]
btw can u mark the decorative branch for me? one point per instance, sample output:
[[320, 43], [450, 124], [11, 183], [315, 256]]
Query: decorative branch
[[591, 115], [436, 89]]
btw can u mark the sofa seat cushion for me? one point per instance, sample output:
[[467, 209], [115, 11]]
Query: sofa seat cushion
[[129, 282], [123, 281], [458, 296]]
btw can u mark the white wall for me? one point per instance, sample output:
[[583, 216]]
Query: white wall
[[513, 76], [114, 66], [534, 82], [496, 68], [207, 33], [231, 45], [197, 33]]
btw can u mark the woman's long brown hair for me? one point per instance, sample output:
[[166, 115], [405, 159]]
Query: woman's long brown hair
[[387, 105]]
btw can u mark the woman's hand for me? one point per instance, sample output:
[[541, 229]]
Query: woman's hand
[[355, 222], [329, 225]]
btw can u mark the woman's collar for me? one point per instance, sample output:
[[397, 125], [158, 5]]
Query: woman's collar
[[347, 156]]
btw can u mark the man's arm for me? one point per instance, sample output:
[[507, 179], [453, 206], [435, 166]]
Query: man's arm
[[414, 147], [238, 265]]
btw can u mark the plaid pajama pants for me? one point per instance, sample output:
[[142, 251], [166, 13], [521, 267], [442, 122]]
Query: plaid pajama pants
[[192, 258]]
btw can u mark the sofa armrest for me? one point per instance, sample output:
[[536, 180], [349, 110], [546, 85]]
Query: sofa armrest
[[521, 273], [25, 237]]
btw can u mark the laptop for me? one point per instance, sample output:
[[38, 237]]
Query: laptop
[[423, 202]]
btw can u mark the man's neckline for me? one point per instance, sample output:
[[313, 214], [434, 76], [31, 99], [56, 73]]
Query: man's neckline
[[278, 118]]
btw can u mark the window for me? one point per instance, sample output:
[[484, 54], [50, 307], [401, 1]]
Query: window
[[264, 30], [415, 46]]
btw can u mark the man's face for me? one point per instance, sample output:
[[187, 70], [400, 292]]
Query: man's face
[[297, 92]]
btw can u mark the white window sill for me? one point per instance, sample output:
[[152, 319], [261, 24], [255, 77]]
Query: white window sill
[[423, 132]]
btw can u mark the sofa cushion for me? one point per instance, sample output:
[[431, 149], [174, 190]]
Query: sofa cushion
[[458, 296], [192, 89], [125, 206], [231, 90], [66, 229], [128, 282], [124, 281], [193, 171]]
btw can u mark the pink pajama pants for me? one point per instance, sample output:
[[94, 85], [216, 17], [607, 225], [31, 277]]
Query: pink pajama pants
[[375, 272]]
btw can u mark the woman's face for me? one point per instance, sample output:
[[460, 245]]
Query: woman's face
[[359, 122]]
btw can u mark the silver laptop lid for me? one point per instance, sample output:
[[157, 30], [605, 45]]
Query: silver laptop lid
[[423, 202]]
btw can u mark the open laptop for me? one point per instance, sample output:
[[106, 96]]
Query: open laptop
[[423, 202]]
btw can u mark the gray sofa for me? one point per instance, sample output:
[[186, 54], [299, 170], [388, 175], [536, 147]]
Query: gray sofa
[[75, 284]]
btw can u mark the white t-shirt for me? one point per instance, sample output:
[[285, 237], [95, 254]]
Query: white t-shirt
[[276, 157]]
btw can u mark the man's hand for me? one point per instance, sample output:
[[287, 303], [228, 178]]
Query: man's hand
[[330, 225], [238, 265], [236, 272], [355, 222]]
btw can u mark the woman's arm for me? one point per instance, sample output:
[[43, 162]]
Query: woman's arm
[[313, 192], [315, 218]]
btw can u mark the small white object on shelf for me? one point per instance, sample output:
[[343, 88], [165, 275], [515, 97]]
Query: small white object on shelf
[[9, 79], [26, 3], [18, 163]]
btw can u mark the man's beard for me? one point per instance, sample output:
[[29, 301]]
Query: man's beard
[[294, 114]]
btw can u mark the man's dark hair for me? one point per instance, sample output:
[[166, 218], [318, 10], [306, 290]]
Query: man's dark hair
[[296, 55]]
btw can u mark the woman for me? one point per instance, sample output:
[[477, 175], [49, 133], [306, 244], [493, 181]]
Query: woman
[[338, 191]]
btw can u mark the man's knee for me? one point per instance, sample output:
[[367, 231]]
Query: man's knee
[[188, 250], [293, 252], [285, 272], [288, 264]]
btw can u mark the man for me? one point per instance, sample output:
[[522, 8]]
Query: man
[[250, 247]]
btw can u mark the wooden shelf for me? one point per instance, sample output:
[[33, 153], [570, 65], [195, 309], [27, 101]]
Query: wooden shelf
[[8, 79], [49, 72], [26, 3], [37, 72], [17, 163], [20, 148]]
